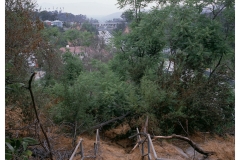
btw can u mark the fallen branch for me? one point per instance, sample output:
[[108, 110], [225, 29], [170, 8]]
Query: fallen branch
[[107, 122], [193, 144]]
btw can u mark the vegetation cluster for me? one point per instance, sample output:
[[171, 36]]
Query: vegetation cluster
[[176, 66]]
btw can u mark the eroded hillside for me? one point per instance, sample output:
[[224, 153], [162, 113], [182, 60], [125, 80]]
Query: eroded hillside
[[119, 149]]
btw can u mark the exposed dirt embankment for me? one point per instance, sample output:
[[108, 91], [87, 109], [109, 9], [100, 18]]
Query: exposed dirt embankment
[[224, 148], [120, 149]]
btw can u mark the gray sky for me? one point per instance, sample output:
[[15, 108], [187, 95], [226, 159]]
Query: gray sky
[[86, 7]]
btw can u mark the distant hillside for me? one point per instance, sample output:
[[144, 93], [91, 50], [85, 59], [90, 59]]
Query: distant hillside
[[107, 17], [88, 8]]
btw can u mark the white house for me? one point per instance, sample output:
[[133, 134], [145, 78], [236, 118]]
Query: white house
[[57, 23], [105, 35]]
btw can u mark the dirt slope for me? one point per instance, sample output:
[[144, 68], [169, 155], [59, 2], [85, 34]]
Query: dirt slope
[[224, 147], [171, 149]]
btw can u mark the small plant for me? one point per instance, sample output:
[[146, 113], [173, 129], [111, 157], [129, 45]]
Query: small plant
[[18, 148]]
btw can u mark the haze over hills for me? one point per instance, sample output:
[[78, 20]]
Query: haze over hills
[[100, 10], [90, 9], [102, 19]]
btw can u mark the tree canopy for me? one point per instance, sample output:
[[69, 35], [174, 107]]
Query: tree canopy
[[178, 56], [176, 65]]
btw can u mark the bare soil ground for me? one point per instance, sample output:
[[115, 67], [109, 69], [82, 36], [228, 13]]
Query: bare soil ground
[[224, 147]]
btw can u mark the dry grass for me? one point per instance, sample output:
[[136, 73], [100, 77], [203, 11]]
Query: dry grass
[[224, 147], [121, 129]]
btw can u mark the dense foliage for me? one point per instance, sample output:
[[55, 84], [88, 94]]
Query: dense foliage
[[176, 66], [167, 54], [92, 98]]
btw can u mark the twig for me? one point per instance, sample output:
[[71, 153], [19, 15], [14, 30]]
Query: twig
[[183, 128], [216, 66]]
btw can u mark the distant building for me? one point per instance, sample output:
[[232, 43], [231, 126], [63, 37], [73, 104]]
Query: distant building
[[105, 35], [54, 23], [57, 23], [96, 24], [118, 20], [109, 25], [47, 22]]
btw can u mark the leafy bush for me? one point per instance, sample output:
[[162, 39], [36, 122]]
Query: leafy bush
[[94, 97], [17, 148], [182, 95]]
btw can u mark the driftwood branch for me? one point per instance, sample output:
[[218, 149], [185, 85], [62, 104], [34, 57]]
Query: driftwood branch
[[193, 144], [107, 122], [149, 139], [36, 113]]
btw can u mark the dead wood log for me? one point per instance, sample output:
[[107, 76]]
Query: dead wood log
[[174, 136], [193, 144]]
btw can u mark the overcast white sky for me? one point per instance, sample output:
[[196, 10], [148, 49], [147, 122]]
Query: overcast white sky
[[86, 7]]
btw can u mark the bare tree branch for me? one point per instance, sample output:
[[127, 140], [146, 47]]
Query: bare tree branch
[[36, 113]]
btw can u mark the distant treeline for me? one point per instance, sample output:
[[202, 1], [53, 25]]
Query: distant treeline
[[66, 17]]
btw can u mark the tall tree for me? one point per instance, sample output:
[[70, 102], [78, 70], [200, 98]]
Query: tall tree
[[127, 16], [22, 38], [86, 26], [26, 50], [78, 38], [167, 54], [136, 6]]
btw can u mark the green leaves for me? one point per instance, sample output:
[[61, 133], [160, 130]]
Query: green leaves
[[86, 26], [78, 38], [10, 147], [72, 67], [54, 36], [29, 140], [92, 97], [188, 41], [18, 147]]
